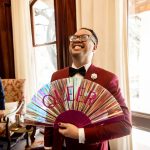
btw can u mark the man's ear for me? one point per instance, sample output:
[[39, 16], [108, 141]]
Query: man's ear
[[95, 47]]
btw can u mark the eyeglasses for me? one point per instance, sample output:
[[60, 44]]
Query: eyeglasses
[[82, 38]]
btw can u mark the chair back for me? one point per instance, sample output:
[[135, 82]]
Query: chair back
[[14, 89]]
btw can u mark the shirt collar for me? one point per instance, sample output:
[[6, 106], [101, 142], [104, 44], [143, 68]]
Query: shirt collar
[[86, 66]]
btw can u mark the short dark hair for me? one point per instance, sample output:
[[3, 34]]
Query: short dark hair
[[93, 33]]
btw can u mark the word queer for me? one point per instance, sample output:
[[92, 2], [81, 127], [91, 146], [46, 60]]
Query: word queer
[[69, 95]]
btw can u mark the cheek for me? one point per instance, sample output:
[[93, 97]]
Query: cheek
[[70, 47], [90, 48]]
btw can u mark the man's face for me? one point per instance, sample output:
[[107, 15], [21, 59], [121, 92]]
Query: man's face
[[82, 45]]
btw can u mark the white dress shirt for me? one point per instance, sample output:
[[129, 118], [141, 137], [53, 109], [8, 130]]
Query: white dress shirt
[[81, 130]]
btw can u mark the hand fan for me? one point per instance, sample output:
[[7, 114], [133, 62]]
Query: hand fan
[[72, 100]]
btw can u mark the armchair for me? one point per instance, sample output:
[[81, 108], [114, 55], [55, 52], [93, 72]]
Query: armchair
[[14, 90]]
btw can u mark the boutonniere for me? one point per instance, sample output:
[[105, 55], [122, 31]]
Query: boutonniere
[[94, 76]]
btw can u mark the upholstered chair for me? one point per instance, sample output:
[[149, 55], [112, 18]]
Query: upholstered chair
[[14, 90]]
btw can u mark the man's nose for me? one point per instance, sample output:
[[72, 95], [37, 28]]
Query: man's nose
[[78, 39]]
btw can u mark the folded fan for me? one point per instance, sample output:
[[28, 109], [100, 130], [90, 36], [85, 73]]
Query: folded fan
[[73, 100]]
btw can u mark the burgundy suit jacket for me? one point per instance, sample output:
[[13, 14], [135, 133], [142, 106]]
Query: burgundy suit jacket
[[96, 137]]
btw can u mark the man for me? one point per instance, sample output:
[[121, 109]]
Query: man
[[82, 46], [2, 105]]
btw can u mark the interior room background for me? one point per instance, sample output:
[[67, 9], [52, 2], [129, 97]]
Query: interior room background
[[112, 20]]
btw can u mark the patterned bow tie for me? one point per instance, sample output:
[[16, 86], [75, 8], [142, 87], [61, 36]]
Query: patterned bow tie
[[73, 71]]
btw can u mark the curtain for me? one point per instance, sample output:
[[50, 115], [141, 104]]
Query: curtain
[[23, 51], [65, 17], [109, 20]]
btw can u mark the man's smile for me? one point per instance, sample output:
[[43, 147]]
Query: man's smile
[[77, 45]]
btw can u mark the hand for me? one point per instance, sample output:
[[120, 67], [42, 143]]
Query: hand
[[1, 113], [69, 130]]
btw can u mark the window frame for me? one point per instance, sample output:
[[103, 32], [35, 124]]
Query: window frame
[[32, 27], [140, 120]]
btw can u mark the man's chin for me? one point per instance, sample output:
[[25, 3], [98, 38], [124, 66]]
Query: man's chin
[[77, 51], [76, 55]]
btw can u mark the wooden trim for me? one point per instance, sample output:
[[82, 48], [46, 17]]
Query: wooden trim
[[32, 23], [141, 120], [45, 44], [5, 1], [7, 67], [32, 2]]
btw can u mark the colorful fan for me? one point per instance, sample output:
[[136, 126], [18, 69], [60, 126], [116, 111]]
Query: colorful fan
[[73, 100]]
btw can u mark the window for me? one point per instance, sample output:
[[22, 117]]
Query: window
[[43, 22], [139, 144], [44, 39], [139, 72], [52, 21], [139, 53]]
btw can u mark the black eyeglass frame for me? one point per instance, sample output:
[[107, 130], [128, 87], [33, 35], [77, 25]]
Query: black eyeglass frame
[[73, 38]]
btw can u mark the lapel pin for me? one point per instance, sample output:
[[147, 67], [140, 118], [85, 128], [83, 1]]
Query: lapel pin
[[94, 76]]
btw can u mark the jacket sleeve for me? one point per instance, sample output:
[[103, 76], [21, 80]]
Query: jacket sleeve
[[2, 100], [114, 129], [48, 137]]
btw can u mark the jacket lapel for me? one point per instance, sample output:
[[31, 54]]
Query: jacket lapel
[[90, 71]]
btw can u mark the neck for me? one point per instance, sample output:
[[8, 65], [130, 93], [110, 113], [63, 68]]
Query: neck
[[79, 64], [80, 61]]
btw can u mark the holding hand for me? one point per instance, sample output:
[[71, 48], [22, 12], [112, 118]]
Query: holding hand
[[68, 130]]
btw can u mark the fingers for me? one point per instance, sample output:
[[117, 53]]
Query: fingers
[[64, 128], [63, 125], [68, 130], [62, 131]]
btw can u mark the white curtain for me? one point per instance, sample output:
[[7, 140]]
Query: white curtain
[[109, 20], [24, 60]]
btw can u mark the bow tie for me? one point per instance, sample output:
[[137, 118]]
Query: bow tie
[[73, 71]]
